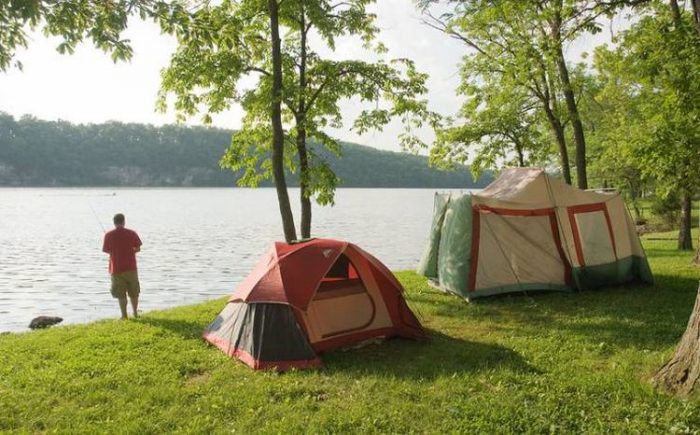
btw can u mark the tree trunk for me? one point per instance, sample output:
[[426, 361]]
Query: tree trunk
[[277, 129], [676, 11], [558, 131], [548, 99], [305, 199], [579, 138], [521, 155], [696, 14], [634, 196], [685, 240], [570, 99], [680, 375], [696, 260]]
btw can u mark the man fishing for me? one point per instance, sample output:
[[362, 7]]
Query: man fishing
[[122, 244]]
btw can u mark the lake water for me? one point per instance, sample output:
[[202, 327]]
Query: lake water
[[198, 243]]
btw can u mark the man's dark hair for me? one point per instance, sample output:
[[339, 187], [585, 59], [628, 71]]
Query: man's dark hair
[[118, 219]]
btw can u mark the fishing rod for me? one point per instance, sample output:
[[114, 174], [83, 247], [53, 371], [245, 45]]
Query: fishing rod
[[97, 218]]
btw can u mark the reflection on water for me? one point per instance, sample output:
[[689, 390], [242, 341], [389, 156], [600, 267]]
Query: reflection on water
[[198, 243]]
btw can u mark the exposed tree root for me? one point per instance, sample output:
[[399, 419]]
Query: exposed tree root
[[680, 375]]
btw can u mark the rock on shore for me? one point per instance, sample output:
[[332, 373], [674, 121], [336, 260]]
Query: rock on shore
[[44, 322]]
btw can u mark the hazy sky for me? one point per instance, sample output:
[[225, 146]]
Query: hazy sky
[[87, 87]]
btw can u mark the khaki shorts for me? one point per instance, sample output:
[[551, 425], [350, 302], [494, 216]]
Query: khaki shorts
[[125, 283]]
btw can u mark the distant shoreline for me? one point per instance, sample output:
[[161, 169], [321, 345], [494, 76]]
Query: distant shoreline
[[59, 154]]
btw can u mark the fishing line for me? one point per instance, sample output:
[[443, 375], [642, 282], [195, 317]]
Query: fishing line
[[97, 218]]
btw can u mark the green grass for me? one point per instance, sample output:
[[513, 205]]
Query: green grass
[[535, 363]]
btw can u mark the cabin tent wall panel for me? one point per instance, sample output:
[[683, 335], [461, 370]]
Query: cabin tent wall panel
[[595, 237], [517, 250], [624, 230], [428, 263], [566, 235], [455, 245]]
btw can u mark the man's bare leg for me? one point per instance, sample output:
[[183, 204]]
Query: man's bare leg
[[122, 307], [135, 305]]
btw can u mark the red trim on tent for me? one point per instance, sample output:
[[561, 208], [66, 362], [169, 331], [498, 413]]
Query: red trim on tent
[[476, 235], [299, 316], [589, 208], [291, 274], [380, 267], [328, 269], [560, 249], [257, 364], [403, 319], [300, 265], [515, 212], [577, 237]]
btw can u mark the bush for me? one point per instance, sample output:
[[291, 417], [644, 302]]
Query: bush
[[668, 208]]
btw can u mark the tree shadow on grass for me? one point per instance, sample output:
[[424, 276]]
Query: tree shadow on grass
[[188, 330], [651, 317], [643, 317], [441, 356], [661, 253]]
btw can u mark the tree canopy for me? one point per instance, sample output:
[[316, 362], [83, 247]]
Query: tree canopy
[[631, 115], [653, 80], [519, 45], [100, 21], [229, 44]]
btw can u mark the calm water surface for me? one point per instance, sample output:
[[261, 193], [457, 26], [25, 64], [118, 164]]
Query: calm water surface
[[198, 243]]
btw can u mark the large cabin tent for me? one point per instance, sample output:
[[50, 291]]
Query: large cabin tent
[[529, 231], [310, 297]]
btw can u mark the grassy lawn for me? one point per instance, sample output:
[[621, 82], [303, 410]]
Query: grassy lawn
[[534, 363]]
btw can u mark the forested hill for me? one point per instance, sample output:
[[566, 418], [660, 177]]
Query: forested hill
[[43, 153]]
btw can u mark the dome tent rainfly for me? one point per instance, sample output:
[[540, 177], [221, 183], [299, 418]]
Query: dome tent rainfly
[[310, 297], [529, 231]]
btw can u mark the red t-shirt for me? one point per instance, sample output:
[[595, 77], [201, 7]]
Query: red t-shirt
[[120, 244]]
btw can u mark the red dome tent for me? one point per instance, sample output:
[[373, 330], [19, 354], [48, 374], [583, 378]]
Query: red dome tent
[[305, 298]]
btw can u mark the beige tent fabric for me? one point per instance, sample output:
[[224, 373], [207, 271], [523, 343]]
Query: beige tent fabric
[[597, 245], [517, 250], [529, 188], [594, 228], [527, 231], [345, 312], [626, 238], [333, 316]]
